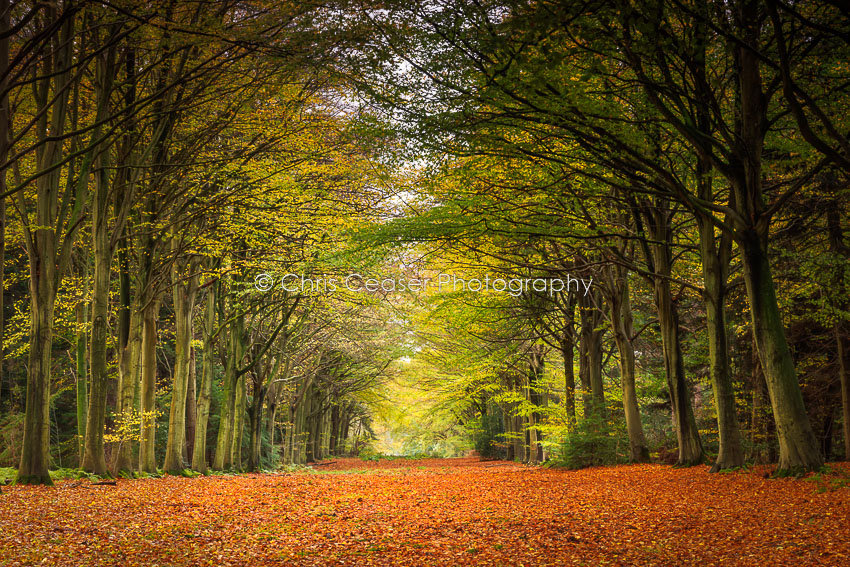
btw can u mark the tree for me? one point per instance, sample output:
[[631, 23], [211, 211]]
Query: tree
[[51, 225]]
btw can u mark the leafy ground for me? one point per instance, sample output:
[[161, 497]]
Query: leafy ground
[[434, 512]]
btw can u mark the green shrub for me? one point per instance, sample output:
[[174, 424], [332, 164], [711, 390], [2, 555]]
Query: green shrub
[[7, 473], [368, 453], [73, 474], [486, 431], [593, 442]]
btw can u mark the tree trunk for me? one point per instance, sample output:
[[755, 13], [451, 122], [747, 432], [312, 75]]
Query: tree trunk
[[335, 414], [191, 409], [255, 416], [129, 320], [324, 436], [309, 423], [129, 347], [199, 452], [655, 217], [185, 289], [33, 468], [687, 434], [47, 257], [658, 217], [239, 403], [286, 450], [759, 420], [128, 380], [229, 409], [5, 121], [224, 439], [287, 442], [715, 270], [845, 388], [299, 410], [621, 326], [567, 344], [840, 306], [271, 415], [82, 373], [345, 424], [798, 448], [537, 396], [147, 449], [731, 451], [297, 433], [590, 357], [519, 438], [94, 460], [516, 427], [297, 428]]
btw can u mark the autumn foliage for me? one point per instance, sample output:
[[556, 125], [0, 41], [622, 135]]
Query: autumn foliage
[[434, 512]]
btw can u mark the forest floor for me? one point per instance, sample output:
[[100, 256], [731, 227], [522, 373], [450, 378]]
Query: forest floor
[[435, 512]]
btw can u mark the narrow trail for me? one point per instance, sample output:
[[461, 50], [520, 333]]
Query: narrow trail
[[434, 512]]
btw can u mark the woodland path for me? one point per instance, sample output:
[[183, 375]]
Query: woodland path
[[435, 512]]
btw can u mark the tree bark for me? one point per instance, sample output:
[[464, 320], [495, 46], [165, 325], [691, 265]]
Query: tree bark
[[657, 217], [191, 409], [94, 460], [590, 357], [128, 380], [129, 321], [185, 279], [622, 328], [5, 120], [47, 257], [33, 468], [731, 451], [715, 270], [845, 388], [302, 430], [239, 409], [224, 439], [687, 434], [298, 447], [147, 449], [255, 415], [229, 408], [335, 427], [798, 448], [567, 344], [313, 416], [81, 382], [199, 452], [271, 415], [840, 306], [537, 396], [345, 424]]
